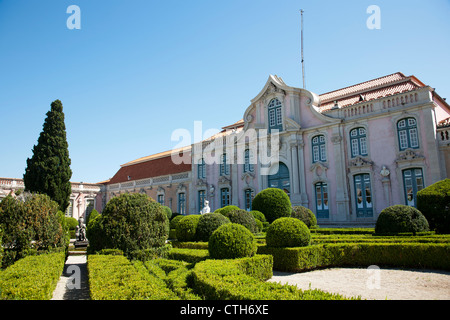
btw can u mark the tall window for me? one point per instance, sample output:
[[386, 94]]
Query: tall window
[[224, 166], [69, 210], [249, 195], [275, 115], [322, 208], [224, 197], [161, 199], [413, 182], [358, 142], [318, 148], [182, 203], [201, 169], [363, 194], [248, 161], [201, 199], [408, 136]]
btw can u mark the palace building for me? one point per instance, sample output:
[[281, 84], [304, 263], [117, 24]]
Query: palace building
[[345, 154]]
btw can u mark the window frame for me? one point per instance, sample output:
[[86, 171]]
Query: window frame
[[224, 192], [357, 142], [319, 147], [275, 115], [408, 133]]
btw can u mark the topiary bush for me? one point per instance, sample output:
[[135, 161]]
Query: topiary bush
[[305, 215], [208, 223], [168, 212], [175, 220], [258, 215], [244, 218], [226, 210], [288, 232], [131, 222], [434, 203], [231, 241], [187, 228], [399, 219], [273, 203]]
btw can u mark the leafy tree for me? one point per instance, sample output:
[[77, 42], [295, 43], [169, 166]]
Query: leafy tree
[[48, 171]]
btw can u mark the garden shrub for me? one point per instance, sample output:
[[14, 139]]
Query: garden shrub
[[32, 278], [175, 220], [258, 215], [150, 253], [95, 233], [434, 203], [131, 222], [116, 278], [244, 218], [208, 223], [400, 218], [90, 216], [305, 215], [231, 280], [273, 203], [188, 255], [401, 255], [288, 232], [72, 223], [231, 241], [187, 228], [226, 210], [168, 212]]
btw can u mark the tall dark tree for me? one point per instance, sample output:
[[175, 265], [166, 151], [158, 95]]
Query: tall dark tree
[[48, 171]]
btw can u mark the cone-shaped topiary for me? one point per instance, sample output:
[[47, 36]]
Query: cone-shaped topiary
[[273, 203], [231, 241], [288, 232]]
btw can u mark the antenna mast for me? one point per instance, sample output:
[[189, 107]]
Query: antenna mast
[[303, 60]]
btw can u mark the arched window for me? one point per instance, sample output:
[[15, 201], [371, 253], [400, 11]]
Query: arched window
[[248, 161], [358, 141], [318, 148], [408, 136], [275, 115]]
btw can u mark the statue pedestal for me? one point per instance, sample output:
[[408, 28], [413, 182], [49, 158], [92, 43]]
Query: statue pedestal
[[81, 244]]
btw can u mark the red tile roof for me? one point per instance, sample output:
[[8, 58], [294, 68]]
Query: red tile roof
[[370, 90], [155, 167]]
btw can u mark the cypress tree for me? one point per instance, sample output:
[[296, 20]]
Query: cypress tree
[[48, 171]]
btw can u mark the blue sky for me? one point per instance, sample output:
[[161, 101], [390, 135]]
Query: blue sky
[[138, 70]]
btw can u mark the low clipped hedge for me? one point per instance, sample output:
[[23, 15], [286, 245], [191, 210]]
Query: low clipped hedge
[[32, 278], [188, 255], [243, 279], [402, 255], [114, 277]]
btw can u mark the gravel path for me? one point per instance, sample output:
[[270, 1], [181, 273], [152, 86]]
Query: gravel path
[[73, 283], [373, 284]]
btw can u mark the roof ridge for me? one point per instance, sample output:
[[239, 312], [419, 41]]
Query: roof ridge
[[365, 82]]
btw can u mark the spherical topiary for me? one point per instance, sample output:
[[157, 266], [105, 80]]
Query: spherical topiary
[[401, 218], [208, 223], [175, 220], [305, 215], [226, 210], [168, 211], [244, 218], [258, 215], [134, 222], [288, 232], [187, 228], [273, 203], [231, 241]]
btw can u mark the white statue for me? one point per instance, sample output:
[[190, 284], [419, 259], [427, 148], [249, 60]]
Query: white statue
[[206, 208]]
